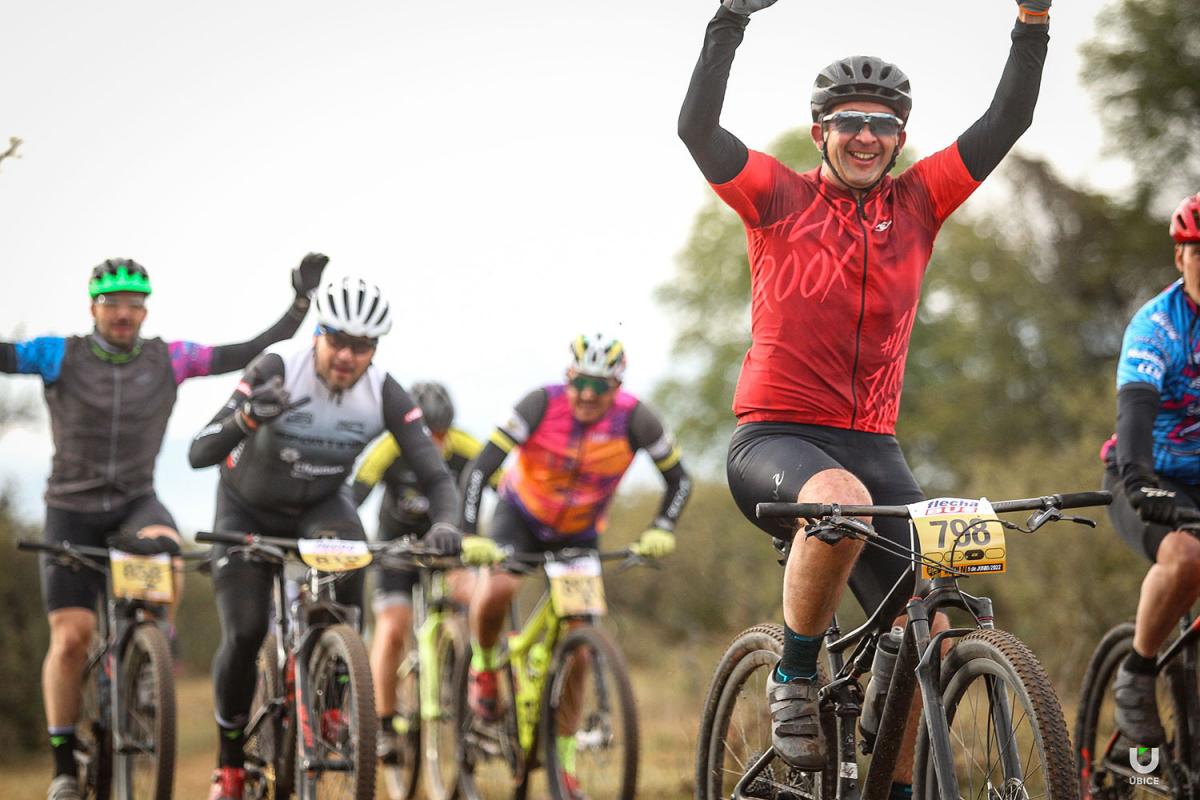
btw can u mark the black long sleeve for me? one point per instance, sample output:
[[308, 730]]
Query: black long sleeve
[[228, 357], [420, 453], [647, 432], [475, 477], [719, 154], [1137, 408], [990, 138], [8, 357], [218, 438]]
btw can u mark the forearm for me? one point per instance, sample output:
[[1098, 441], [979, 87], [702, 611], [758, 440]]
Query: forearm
[[987, 141], [675, 497], [230, 357], [8, 357], [217, 440], [1137, 408], [475, 477], [719, 154]]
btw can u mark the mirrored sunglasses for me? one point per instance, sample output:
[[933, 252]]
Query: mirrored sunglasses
[[597, 385], [340, 341], [851, 122]]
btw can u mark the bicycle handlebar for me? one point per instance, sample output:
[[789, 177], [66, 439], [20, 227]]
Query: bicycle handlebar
[[818, 510]]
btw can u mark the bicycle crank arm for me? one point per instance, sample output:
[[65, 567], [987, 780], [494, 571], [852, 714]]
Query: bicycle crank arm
[[324, 765]]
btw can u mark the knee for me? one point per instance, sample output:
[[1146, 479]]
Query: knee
[[391, 627], [1179, 554], [834, 486], [70, 639]]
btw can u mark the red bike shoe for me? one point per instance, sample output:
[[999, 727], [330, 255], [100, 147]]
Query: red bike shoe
[[569, 782], [483, 695], [228, 784], [333, 726]]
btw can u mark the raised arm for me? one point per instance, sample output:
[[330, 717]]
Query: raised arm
[[258, 398], [402, 418], [525, 418], [41, 356], [990, 138]]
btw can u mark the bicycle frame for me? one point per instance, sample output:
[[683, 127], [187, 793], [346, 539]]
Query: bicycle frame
[[431, 609]]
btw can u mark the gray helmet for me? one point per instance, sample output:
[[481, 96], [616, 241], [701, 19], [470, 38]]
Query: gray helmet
[[861, 78], [436, 405]]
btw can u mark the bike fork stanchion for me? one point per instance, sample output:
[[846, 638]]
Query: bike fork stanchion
[[428, 679], [935, 709]]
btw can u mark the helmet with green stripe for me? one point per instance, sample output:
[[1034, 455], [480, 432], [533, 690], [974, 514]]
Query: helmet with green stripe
[[118, 275], [599, 356]]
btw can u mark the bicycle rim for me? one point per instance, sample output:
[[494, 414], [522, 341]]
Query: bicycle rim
[[990, 676], [93, 748], [441, 730], [490, 760], [1102, 755], [588, 703], [145, 760], [735, 729], [400, 777], [270, 744], [341, 709]]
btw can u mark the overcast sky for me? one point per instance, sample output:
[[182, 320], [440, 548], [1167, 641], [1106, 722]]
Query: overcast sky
[[508, 172]]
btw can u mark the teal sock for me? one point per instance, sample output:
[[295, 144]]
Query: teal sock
[[799, 656]]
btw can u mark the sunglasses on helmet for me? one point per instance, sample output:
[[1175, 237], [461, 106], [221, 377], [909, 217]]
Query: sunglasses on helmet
[[851, 122]]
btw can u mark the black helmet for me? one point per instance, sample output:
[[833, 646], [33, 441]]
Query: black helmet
[[435, 404], [861, 78]]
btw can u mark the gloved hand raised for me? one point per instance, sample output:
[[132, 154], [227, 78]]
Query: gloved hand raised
[[655, 543], [266, 403], [307, 276], [748, 7]]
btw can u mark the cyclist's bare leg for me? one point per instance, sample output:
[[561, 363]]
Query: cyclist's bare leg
[[571, 706], [153, 531], [462, 585], [62, 671], [1168, 590], [489, 605], [392, 623], [816, 573]]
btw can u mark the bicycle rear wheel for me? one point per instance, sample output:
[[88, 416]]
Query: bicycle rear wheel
[[271, 743], [401, 775], [491, 762], [1102, 755], [735, 729], [145, 744], [440, 730], [341, 711], [588, 699], [93, 734], [1007, 732]]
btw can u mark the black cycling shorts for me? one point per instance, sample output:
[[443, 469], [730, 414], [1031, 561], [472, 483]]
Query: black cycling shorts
[[771, 461], [64, 587], [1144, 537], [394, 585], [509, 529]]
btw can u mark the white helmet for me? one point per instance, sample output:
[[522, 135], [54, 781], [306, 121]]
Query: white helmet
[[353, 307], [599, 356]]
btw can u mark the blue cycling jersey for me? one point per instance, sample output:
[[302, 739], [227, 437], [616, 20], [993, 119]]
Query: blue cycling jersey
[[1162, 348]]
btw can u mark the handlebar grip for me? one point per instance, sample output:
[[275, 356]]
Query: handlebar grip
[[789, 510], [222, 537], [1187, 515], [1085, 499], [32, 546]]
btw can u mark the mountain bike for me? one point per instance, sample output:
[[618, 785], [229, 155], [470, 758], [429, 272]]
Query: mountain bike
[[559, 675], [427, 717], [312, 719], [126, 728], [992, 726], [1109, 764]]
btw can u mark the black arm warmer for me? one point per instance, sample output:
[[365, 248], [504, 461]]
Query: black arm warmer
[[222, 433], [475, 477], [420, 453], [647, 432], [228, 357], [986, 142], [1137, 407], [719, 154], [8, 357]]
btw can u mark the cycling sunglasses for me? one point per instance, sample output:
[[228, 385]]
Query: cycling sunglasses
[[597, 385], [340, 341], [851, 122]]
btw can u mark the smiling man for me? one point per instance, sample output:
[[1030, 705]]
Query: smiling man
[[837, 256]]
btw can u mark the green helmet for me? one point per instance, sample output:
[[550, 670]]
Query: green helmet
[[119, 275]]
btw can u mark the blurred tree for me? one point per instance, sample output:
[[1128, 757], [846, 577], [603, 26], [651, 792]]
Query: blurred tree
[[1143, 67]]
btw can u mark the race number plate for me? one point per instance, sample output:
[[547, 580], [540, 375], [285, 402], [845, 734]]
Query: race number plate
[[146, 578], [963, 534], [576, 587], [334, 555]]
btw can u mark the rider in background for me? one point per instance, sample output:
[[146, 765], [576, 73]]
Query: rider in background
[[286, 441], [405, 512], [837, 256], [1153, 466], [574, 442], [110, 393]]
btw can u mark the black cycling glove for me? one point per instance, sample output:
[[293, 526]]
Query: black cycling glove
[[747, 7], [267, 402], [144, 545], [1154, 505], [444, 539], [307, 276]]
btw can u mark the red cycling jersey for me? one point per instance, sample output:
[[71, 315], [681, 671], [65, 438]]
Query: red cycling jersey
[[834, 287]]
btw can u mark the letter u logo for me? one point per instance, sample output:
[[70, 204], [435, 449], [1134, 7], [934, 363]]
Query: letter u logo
[[1135, 760]]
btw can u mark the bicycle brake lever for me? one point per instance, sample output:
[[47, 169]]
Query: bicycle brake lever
[[1039, 519], [1091, 523]]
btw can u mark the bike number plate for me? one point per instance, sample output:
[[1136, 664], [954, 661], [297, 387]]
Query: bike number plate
[[334, 555], [146, 578], [964, 534], [576, 587]]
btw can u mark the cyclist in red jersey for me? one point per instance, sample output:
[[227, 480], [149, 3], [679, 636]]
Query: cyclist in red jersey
[[837, 256]]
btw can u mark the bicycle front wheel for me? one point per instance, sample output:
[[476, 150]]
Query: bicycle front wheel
[[441, 723], [1007, 734], [93, 734], [271, 740], [589, 720], [341, 713], [145, 740], [402, 771], [735, 729], [1103, 757]]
